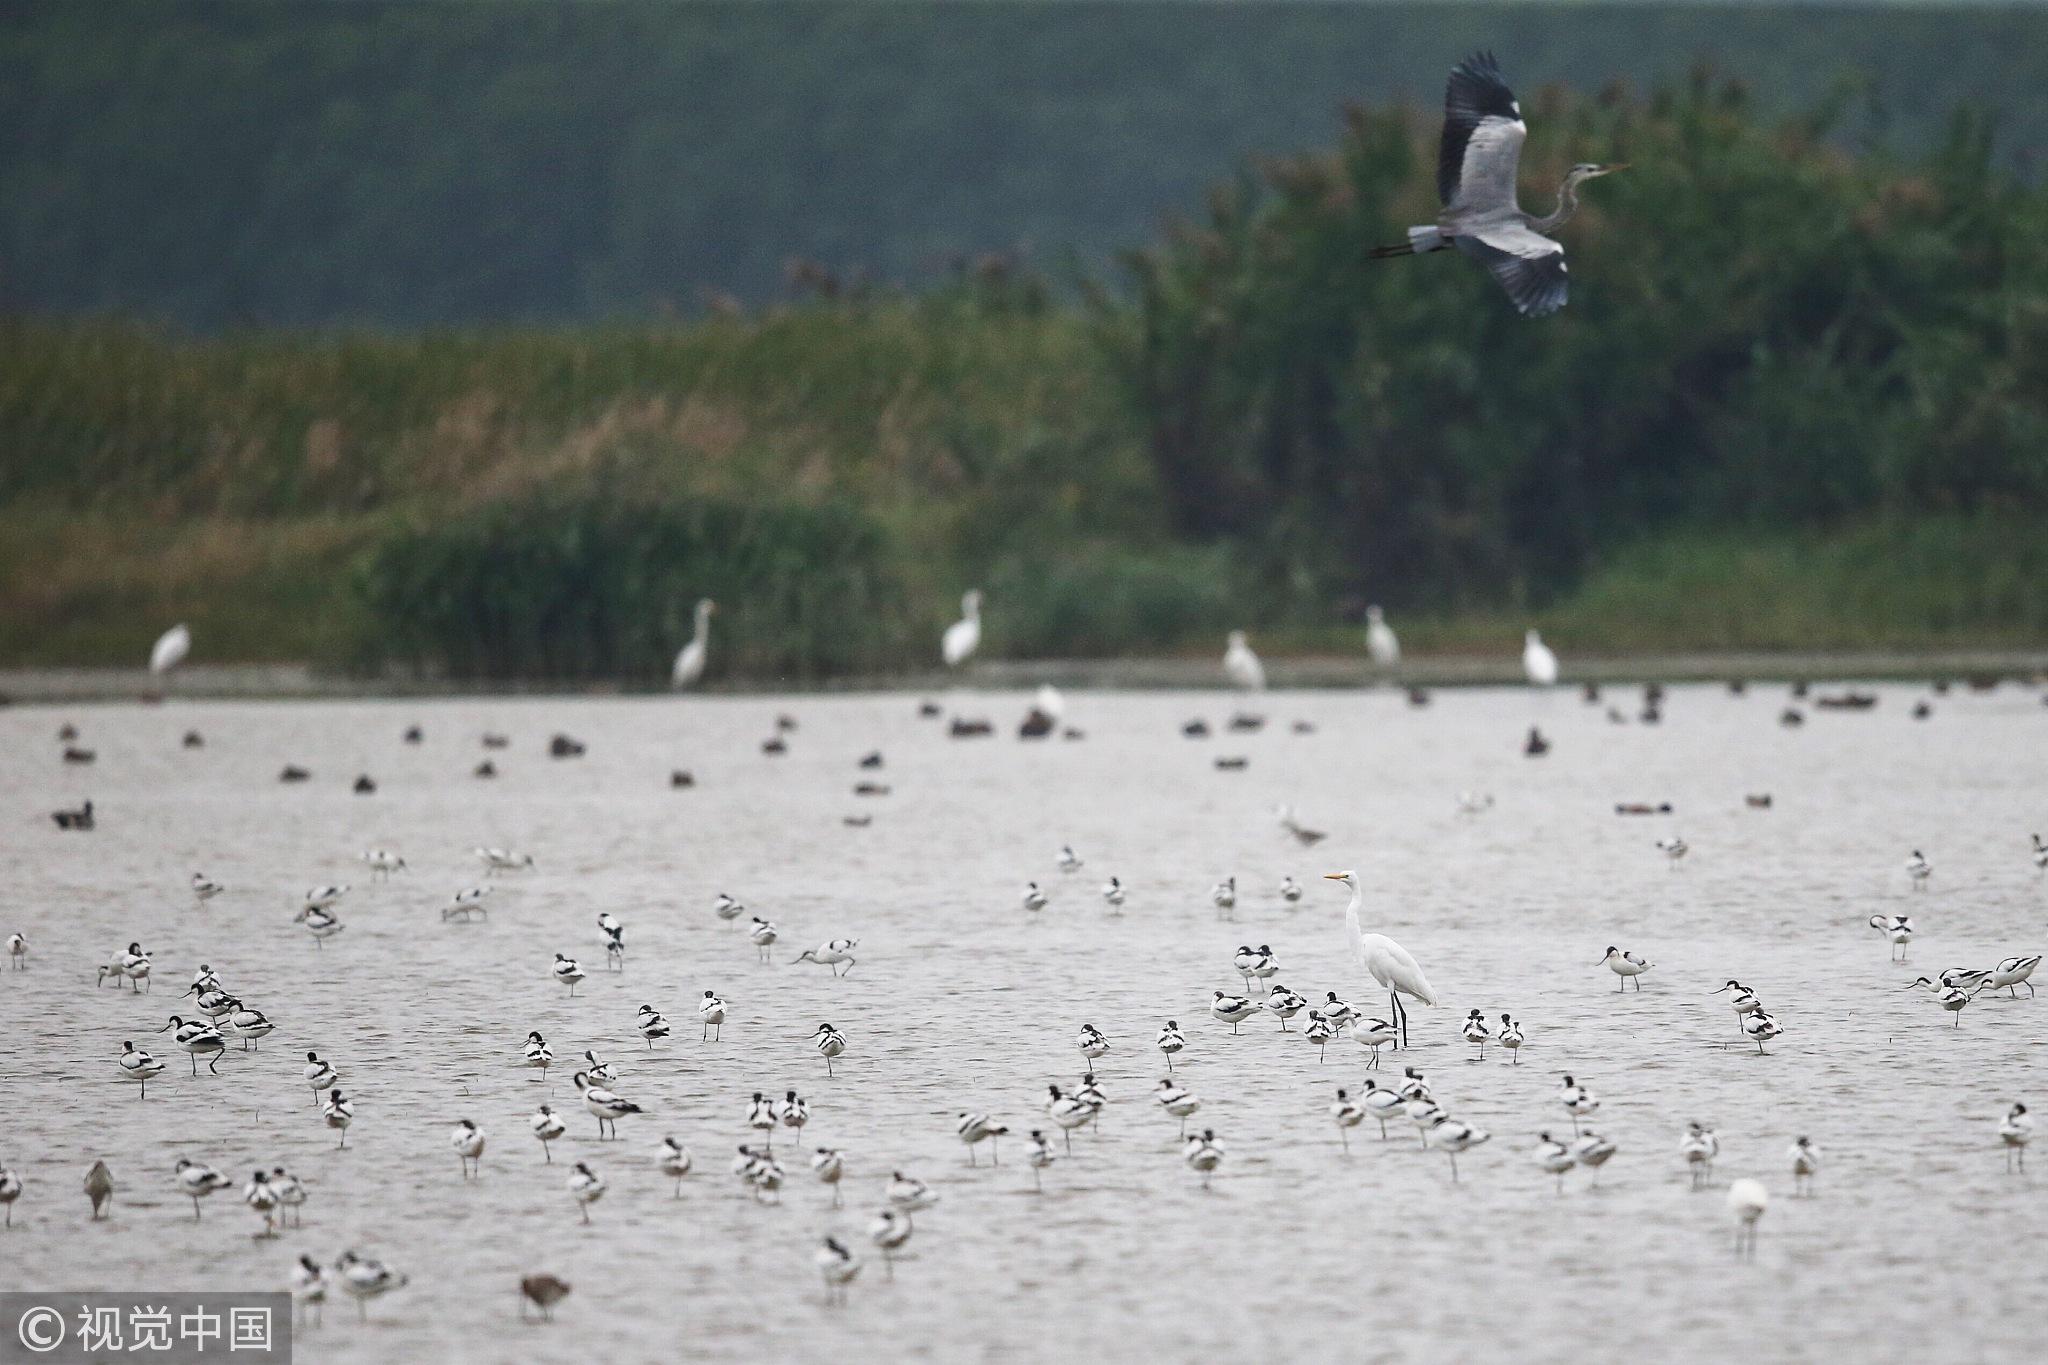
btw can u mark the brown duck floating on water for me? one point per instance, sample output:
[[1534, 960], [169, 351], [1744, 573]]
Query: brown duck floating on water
[[681, 777], [963, 728], [1036, 724], [1757, 800], [565, 746], [1245, 722], [871, 789], [294, 773], [194, 740], [76, 755]]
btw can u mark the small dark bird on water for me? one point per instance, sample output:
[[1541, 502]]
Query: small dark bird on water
[[413, 734], [543, 1292], [1036, 724], [76, 755], [364, 786], [1196, 729], [785, 723], [1536, 745], [74, 819], [293, 773], [929, 710], [1418, 696], [873, 760], [565, 746], [485, 769], [99, 1187], [774, 745], [194, 740], [681, 777]]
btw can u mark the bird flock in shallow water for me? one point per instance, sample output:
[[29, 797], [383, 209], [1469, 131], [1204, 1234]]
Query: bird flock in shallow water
[[218, 1015]]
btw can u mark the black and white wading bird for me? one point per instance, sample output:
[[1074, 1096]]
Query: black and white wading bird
[[1476, 166]]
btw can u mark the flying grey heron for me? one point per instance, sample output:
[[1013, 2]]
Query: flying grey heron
[[1475, 177]]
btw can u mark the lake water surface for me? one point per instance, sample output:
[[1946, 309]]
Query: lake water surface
[[1916, 1242]]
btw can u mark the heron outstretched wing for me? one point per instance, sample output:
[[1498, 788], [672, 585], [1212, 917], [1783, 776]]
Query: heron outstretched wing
[[1482, 141], [1528, 265]]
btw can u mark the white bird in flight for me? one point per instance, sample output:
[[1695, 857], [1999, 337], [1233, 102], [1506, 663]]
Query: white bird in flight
[[963, 637], [1242, 666], [170, 649], [1538, 663], [1389, 963], [689, 666]]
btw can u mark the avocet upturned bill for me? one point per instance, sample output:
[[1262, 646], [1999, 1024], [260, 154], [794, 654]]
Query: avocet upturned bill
[[1627, 966], [831, 954]]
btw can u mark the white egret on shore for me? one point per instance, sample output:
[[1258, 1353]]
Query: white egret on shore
[[1380, 640], [689, 666], [963, 637], [1538, 663], [1242, 666], [1389, 963], [170, 649]]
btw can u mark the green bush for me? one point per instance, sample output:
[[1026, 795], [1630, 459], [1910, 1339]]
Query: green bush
[[582, 586]]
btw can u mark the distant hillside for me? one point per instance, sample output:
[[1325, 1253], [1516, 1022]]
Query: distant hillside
[[402, 163]]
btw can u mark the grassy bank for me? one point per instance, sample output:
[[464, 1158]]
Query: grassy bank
[[353, 500]]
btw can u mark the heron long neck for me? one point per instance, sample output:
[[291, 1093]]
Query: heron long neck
[[1567, 205], [703, 627], [1353, 930]]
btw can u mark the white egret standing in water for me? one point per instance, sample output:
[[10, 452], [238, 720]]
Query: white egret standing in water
[[1389, 963], [170, 649], [690, 662], [963, 637], [1537, 661], [1242, 666]]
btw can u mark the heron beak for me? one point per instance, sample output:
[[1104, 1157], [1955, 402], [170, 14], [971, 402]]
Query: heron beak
[[1610, 170], [1333, 876]]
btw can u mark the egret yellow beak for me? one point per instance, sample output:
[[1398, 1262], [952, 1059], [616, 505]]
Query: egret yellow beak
[[1333, 876]]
